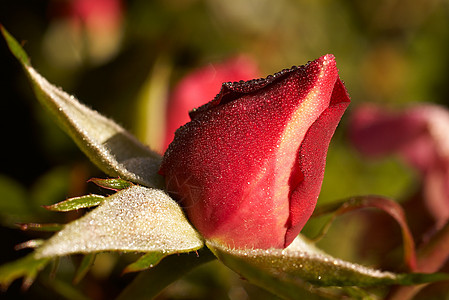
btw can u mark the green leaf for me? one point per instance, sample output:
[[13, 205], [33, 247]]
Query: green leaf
[[15, 47], [301, 265], [115, 184], [135, 219], [27, 267], [76, 203], [147, 261], [148, 284], [108, 145], [86, 264]]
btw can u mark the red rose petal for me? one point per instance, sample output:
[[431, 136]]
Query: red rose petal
[[235, 166]]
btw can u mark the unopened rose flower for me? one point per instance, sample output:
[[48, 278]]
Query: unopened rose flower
[[248, 167], [202, 85], [418, 135]]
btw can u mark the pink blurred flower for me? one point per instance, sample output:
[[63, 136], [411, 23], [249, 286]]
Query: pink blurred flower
[[248, 167], [203, 85], [420, 135], [84, 30], [97, 15]]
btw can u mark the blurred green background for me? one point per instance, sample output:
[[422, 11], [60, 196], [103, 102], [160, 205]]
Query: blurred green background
[[389, 52]]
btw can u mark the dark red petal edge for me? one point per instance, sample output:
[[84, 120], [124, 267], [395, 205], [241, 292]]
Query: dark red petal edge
[[233, 90]]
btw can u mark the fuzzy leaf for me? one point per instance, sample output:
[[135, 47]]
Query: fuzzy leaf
[[114, 150], [135, 219], [76, 203], [301, 264], [27, 267], [115, 184], [147, 261]]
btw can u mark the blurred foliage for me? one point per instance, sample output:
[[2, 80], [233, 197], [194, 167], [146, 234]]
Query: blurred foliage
[[389, 52]]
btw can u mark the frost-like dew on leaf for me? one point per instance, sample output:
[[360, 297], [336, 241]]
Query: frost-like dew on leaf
[[109, 146], [283, 271], [114, 150], [135, 219]]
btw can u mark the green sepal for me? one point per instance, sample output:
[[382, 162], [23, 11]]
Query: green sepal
[[76, 203], [146, 261], [15, 47], [86, 264], [27, 267], [115, 184]]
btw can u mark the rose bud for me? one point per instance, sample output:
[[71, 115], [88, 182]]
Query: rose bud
[[248, 167]]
